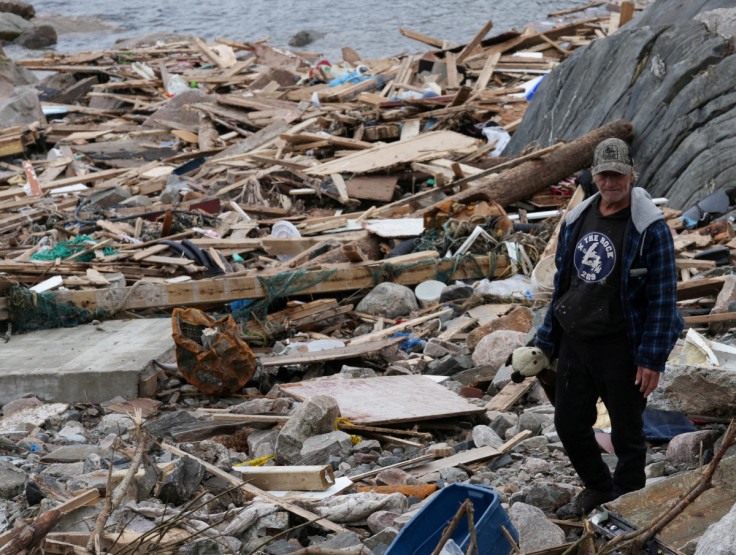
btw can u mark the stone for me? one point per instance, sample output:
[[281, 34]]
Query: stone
[[181, 483], [380, 520], [536, 443], [20, 107], [262, 443], [262, 406], [389, 300], [535, 531], [446, 366], [548, 496], [302, 38], [720, 537], [20, 404], [12, 25], [109, 197], [207, 546], [23, 9], [210, 452], [366, 458], [686, 447], [358, 372], [317, 449], [532, 422], [115, 423], [484, 436], [394, 477], [12, 481], [502, 421], [704, 390], [654, 470], [455, 292], [726, 296], [534, 465], [519, 319], [385, 537], [438, 348], [162, 426], [502, 378], [315, 416], [37, 37], [453, 475], [495, 348], [281, 547]]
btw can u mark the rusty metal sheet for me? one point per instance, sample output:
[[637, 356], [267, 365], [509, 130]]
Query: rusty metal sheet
[[386, 399], [641, 507]]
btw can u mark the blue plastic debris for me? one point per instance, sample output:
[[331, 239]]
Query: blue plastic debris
[[409, 343]]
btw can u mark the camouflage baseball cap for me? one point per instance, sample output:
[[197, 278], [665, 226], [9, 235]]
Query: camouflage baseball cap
[[612, 155]]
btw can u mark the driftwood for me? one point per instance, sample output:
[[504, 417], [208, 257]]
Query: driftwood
[[534, 175]]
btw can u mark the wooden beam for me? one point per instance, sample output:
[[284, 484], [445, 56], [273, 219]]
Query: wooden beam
[[431, 41], [288, 478], [475, 41], [87, 178]]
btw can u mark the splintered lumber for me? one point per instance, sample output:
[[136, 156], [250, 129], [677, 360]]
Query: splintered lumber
[[386, 399], [700, 288], [87, 178], [228, 289], [475, 41], [288, 478], [534, 175], [253, 490], [512, 392], [469, 456], [427, 146]]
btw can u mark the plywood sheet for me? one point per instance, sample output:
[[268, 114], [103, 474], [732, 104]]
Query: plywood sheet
[[386, 399], [379, 188]]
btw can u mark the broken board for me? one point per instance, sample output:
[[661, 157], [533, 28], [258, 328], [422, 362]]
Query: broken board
[[386, 399], [380, 188]]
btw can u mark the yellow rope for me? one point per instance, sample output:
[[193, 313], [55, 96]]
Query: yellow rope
[[256, 462], [341, 420]]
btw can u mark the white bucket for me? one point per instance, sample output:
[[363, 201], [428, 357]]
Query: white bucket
[[543, 277], [428, 293]]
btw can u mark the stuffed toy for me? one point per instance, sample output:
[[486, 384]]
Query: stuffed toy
[[529, 362]]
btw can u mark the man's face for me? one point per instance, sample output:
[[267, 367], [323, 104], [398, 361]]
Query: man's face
[[614, 187]]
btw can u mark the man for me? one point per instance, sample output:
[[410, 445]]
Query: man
[[612, 322]]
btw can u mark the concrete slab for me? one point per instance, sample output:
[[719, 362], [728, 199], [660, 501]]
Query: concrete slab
[[103, 360]]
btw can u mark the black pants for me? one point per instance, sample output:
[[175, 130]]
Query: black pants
[[586, 371]]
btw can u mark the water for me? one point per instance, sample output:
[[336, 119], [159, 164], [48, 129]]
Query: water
[[371, 28]]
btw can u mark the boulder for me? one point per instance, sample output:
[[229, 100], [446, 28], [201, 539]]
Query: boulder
[[548, 496], [672, 77], [37, 38], [181, 483], [704, 390], [389, 300], [12, 481], [313, 417], [719, 538], [535, 531], [519, 319], [12, 25], [21, 106], [495, 348], [485, 436], [23, 9], [686, 447], [261, 443], [318, 449]]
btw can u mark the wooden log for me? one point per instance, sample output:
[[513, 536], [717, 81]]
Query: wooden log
[[534, 175]]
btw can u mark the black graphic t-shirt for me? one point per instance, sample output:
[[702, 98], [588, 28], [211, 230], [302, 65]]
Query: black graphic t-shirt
[[591, 307]]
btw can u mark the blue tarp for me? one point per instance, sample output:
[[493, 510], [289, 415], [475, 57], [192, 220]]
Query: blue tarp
[[660, 425]]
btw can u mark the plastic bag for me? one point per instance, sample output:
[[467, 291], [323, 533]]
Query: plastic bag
[[210, 353], [516, 286]]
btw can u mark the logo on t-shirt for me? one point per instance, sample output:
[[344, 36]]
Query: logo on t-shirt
[[595, 257]]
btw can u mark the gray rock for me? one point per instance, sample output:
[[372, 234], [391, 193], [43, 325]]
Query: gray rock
[[115, 423], [302, 38], [536, 443], [262, 443], [181, 483], [502, 378], [456, 293], [485, 436], [548, 496], [262, 406], [37, 37], [385, 537], [502, 421], [358, 372], [21, 106], [341, 540], [719, 538], [532, 422], [495, 348], [380, 520], [446, 366], [453, 475], [12, 481], [317, 449], [534, 465], [168, 423], [207, 546], [686, 447], [702, 390], [389, 300], [669, 76], [20, 404], [315, 416], [535, 531], [23, 9], [654, 470], [12, 25], [280, 547], [108, 197], [438, 348]]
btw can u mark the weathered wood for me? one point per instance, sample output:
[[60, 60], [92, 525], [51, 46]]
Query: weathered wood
[[351, 351], [288, 478], [534, 175], [505, 399], [475, 41]]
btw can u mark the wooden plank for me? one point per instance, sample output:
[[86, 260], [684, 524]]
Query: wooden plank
[[296, 478], [87, 178], [551, 247], [468, 457], [456, 328], [254, 141], [227, 289], [368, 337], [700, 288], [487, 72], [350, 351], [212, 469], [386, 399], [475, 41], [425, 39], [426, 146], [708, 318], [342, 191], [402, 464], [505, 399], [451, 64], [627, 12], [378, 188]]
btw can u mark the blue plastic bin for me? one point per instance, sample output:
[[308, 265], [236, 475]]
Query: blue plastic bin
[[423, 532]]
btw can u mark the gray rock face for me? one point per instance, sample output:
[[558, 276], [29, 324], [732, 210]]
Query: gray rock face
[[313, 417], [12, 25], [667, 74], [181, 483], [548, 496], [495, 348], [261, 443], [686, 447], [37, 38], [389, 300], [532, 422], [535, 531], [11, 481], [719, 538], [318, 449], [21, 106], [485, 436], [695, 390]]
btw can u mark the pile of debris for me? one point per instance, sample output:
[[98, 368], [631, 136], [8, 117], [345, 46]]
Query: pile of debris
[[326, 401]]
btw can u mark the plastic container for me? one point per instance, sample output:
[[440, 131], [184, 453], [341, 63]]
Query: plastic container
[[423, 532], [543, 277], [428, 293]]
